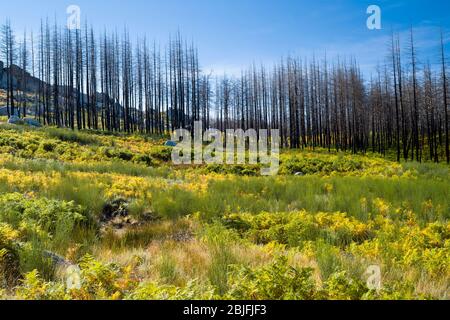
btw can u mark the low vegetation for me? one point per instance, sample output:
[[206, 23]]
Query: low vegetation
[[139, 228]]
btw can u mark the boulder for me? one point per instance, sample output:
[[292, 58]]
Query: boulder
[[15, 120], [32, 122], [56, 259], [25, 121]]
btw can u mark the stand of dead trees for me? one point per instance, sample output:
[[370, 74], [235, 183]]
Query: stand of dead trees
[[108, 82]]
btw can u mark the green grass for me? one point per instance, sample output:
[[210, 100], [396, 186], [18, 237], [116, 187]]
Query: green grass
[[49, 165], [219, 241], [246, 236], [82, 138], [295, 193]]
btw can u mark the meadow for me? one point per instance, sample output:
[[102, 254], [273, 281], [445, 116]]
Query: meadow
[[138, 227]]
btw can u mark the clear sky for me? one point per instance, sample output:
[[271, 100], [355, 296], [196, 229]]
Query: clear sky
[[232, 34]]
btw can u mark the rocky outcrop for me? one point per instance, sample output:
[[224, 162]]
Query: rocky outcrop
[[20, 79], [32, 122], [24, 121], [15, 120]]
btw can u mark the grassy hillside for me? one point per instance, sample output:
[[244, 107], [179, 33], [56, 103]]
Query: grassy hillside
[[140, 228]]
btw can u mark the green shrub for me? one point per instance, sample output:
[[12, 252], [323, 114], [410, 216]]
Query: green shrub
[[161, 153], [45, 213], [99, 280], [35, 288], [124, 155], [143, 158], [276, 281], [340, 287], [48, 145], [193, 290], [44, 224], [9, 257], [238, 169], [294, 228], [320, 165]]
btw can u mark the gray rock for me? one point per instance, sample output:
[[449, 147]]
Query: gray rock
[[15, 120], [56, 259], [32, 122], [299, 174]]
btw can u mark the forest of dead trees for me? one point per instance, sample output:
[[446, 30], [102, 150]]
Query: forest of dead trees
[[108, 82]]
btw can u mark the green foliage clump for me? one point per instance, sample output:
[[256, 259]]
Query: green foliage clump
[[108, 282], [41, 214], [237, 169], [340, 286], [35, 288], [161, 153], [321, 165], [100, 280], [193, 290], [9, 257], [117, 153], [276, 281], [37, 224], [294, 228]]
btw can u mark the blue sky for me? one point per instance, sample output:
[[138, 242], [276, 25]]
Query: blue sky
[[232, 34]]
